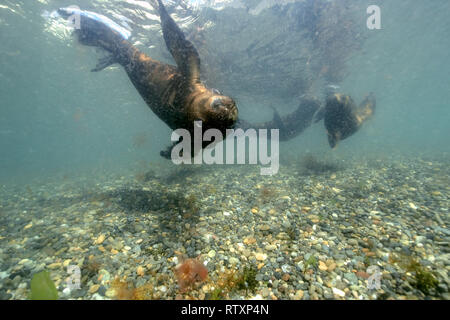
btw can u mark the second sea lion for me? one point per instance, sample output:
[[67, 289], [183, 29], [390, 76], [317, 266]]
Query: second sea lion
[[343, 118]]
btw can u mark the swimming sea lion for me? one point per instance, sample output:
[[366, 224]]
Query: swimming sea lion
[[175, 94], [343, 118]]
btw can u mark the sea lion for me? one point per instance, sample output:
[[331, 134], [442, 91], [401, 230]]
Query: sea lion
[[290, 125], [343, 118], [175, 94]]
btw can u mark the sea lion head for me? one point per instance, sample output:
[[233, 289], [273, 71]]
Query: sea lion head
[[219, 111], [340, 119]]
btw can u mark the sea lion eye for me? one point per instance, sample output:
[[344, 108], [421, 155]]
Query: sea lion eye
[[216, 103]]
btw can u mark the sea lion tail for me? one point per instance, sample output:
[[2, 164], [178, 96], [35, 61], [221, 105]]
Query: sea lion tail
[[276, 120], [97, 30]]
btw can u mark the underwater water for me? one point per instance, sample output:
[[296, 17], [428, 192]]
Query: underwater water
[[83, 185]]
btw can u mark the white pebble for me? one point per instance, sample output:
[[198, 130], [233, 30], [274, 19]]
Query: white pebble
[[66, 292], [338, 292]]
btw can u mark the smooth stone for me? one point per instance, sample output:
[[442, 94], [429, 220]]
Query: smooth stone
[[79, 293], [97, 296], [338, 292], [211, 253], [102, 290], [261, 256], [351, 277], [94, 288], [299, 295], [66, 292]]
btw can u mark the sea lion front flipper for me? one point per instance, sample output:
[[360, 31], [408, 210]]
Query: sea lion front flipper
[[182, 50], [104, 63]]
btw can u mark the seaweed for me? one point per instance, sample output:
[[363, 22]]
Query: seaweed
[[247, 280], [231, 281], [144, 177], [192, 204], [125, 290], [267, 194], [189, 273], [91, 266], [309, 164], [42, 287], [424, 280], [291, 232], [311, 262]]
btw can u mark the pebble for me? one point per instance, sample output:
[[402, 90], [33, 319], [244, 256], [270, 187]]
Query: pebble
[[94, 288], [97, 296], [261, 256], [351, 277], [100, 239], [66, 292], [331, 267], [299, 295], [102, 290], [322, 266], [54, 265], [140, 271], [338, 292], [211, 253], [265, 292]]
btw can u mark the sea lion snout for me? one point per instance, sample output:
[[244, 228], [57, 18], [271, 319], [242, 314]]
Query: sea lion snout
[[223, 107], [333, 139]]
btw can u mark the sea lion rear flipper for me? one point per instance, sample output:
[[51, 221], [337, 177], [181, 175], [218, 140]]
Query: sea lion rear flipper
[[168, 152], [300, 119], [182, 50], [104, 63], [367, 108], [320, 114], [277, 121]]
